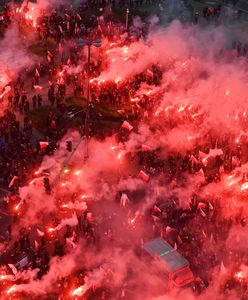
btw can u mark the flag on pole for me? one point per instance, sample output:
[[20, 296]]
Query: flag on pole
[[13, 268], [201, 205], [168, 229], [37, 74], [223, 269], [127, 125], [211, 206], [215, 152], [156, 209], [38, 88], [12, 181], [43, 145], [60, 28], [123, 294], [78, 17], [36, 245], [203, 213], [145, 148], [60, 49], [145, 177], [149, 73], [40, 233]]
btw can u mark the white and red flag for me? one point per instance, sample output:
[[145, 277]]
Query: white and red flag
[[145, 177], [127, 125]]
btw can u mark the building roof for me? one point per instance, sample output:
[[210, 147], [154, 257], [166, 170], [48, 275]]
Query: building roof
[[172, 260]]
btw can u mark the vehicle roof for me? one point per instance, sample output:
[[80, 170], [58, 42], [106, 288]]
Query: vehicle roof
[[168, 255]]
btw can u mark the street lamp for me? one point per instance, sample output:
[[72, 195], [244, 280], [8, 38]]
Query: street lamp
[[81, 44], [127, 13]]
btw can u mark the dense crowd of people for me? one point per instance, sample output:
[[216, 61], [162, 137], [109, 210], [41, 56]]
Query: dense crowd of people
[[187, 229]]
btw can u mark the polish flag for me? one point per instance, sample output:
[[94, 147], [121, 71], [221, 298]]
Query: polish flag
[[38, 88], [13, 268], [145, 177], [149, 73], [193, 159], [203, 213], [145, 148], [37, 74], [201, 205], [211, 206], [156, 208], [168, 229], [215, 152], [123, 294], [127, 125], [43, 145], [60, 28], [36, 245], [12, 181], [121, 111], [40, 233], [60, 48], [223, 269], [79, 17]]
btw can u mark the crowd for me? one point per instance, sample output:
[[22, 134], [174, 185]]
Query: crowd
[[188, 229]]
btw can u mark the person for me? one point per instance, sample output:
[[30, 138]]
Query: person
[[39, 100], [10, 100]]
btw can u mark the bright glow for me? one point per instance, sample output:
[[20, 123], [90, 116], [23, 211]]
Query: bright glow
[[241, 275], [79, 291], [11, 290], [244, 186], [17, 206]]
